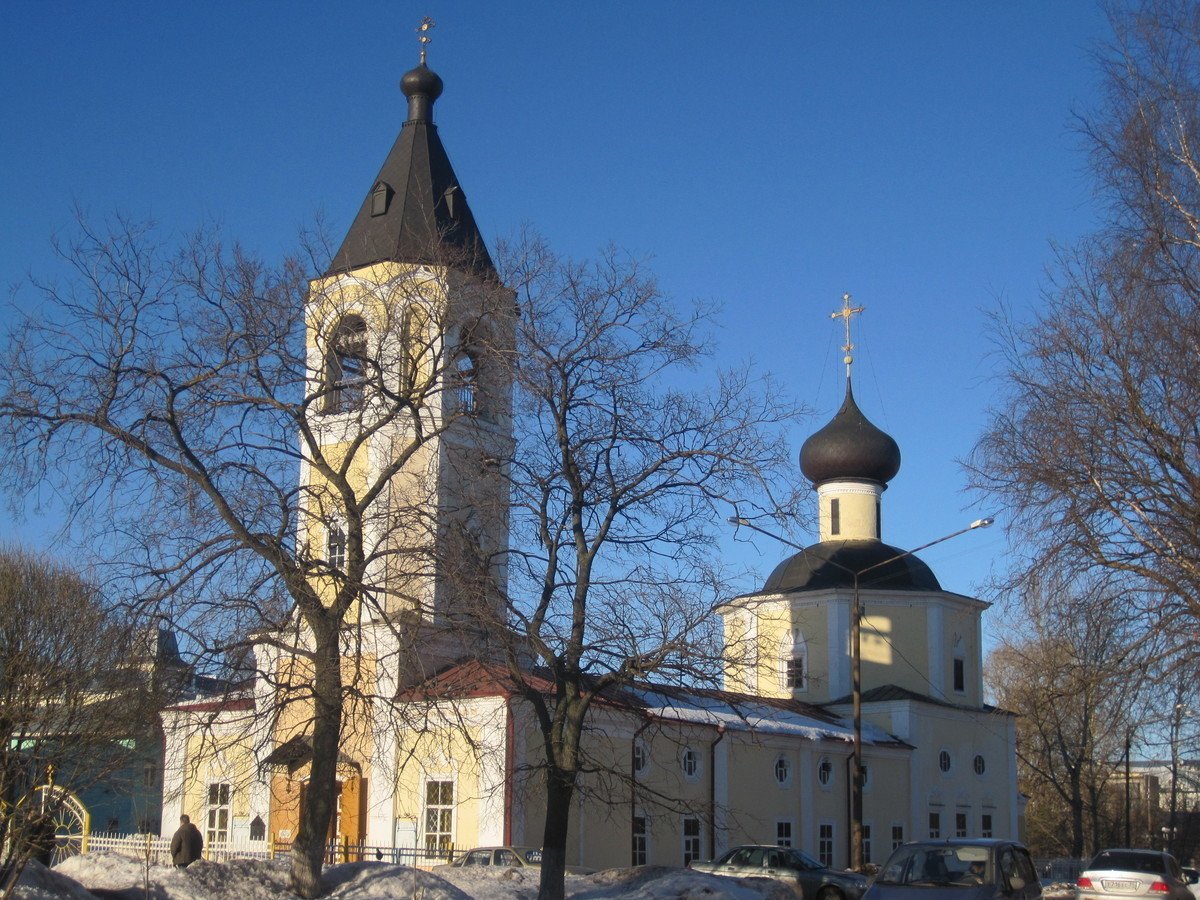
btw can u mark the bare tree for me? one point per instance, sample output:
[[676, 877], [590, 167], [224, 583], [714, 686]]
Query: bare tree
[[1072, 674], [631, 444], [254, 447], [70, 693], [1094, 449]]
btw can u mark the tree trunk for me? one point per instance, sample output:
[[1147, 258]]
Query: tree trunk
[[560, 790], [308, 850], [1076, 817]]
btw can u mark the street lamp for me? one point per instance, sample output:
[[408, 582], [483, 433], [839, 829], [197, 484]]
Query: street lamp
[[856, 816]]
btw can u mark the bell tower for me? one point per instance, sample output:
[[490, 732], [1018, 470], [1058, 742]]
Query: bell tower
[[407, 331]]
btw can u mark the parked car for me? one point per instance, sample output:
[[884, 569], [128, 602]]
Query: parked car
[[808, 877], [513, 857], [1192, 877], [1128, 874], [957, 870]]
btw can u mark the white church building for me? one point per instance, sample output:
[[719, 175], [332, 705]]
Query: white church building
[[767, 759]]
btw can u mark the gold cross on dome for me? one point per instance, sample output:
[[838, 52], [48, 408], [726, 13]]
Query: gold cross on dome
[[844, 314], [423, 34]]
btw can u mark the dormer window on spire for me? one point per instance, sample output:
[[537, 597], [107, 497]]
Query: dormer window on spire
[[381, 198]]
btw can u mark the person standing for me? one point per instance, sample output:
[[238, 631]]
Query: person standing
[[187, 843]]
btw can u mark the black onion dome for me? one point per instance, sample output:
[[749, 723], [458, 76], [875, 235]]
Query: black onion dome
[[832, 564], [423, 81], [850, 447]]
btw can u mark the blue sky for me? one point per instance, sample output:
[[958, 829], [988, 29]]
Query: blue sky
[[770, 155]]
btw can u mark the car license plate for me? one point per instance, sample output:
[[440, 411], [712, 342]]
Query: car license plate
[[1120, 885]]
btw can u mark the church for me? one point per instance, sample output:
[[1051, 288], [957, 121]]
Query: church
[[449, 759]]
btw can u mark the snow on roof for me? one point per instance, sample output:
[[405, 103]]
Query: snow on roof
[[738, 712]]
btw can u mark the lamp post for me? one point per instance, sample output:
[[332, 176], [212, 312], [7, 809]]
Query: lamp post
[[856, 785]]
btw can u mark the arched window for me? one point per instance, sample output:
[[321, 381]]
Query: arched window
[[466, 385], [793, 662], [345, 368]]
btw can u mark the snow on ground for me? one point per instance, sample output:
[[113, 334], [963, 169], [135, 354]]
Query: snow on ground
[[114, 876]]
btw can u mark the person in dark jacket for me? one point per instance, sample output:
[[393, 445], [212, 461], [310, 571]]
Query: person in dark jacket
[[186, 844]]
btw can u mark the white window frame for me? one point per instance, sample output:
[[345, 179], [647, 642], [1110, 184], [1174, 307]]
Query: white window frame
[[345, 391], [935, 833], [825, 764], [335, 546], [689, 764], [945, 761], [218, 812], [641, 757], [640, 841], [987, 827], [785, 833], [443, 839], [466, 383], [782, 766], [897, 835], [826, 841], [793, 649], [693, 843]]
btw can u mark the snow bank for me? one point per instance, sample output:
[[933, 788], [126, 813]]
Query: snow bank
[[254, 879]]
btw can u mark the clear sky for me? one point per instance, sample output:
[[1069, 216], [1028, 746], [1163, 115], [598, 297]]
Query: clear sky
[[919, 155]]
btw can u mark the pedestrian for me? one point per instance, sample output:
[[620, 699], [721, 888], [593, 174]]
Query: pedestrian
[[186, 844], [43, 839]]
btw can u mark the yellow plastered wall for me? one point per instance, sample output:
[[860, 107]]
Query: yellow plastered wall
[[443, 749], [776, 621], [895, 642], [961, 638], [212, 759]]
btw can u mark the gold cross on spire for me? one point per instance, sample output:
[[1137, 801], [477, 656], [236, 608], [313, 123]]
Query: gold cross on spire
[[844, 314], [423, 34]]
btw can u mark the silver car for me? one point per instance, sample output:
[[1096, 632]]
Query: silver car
[[960, 869], [805, 875], [1132, 874]]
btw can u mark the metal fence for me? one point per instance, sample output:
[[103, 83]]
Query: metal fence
[[158, 850], [1062, 869]]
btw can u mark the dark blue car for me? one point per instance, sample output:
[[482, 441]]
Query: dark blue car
[[961, 869]]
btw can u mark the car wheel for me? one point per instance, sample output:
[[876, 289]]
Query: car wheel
[[828, 893]]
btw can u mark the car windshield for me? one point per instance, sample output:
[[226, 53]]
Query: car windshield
[[1126, 861], [938, 864]]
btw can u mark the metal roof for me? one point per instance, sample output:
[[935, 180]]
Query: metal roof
[[415, 210]]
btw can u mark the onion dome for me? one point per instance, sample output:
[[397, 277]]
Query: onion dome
[[850, 448], [421, 86], [832, 564]]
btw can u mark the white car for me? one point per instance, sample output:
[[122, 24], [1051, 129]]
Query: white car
[[1192, 877], [512, 857]]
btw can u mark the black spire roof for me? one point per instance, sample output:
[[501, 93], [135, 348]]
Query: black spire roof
[[850, 447], [832, 564], [415, 210]]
